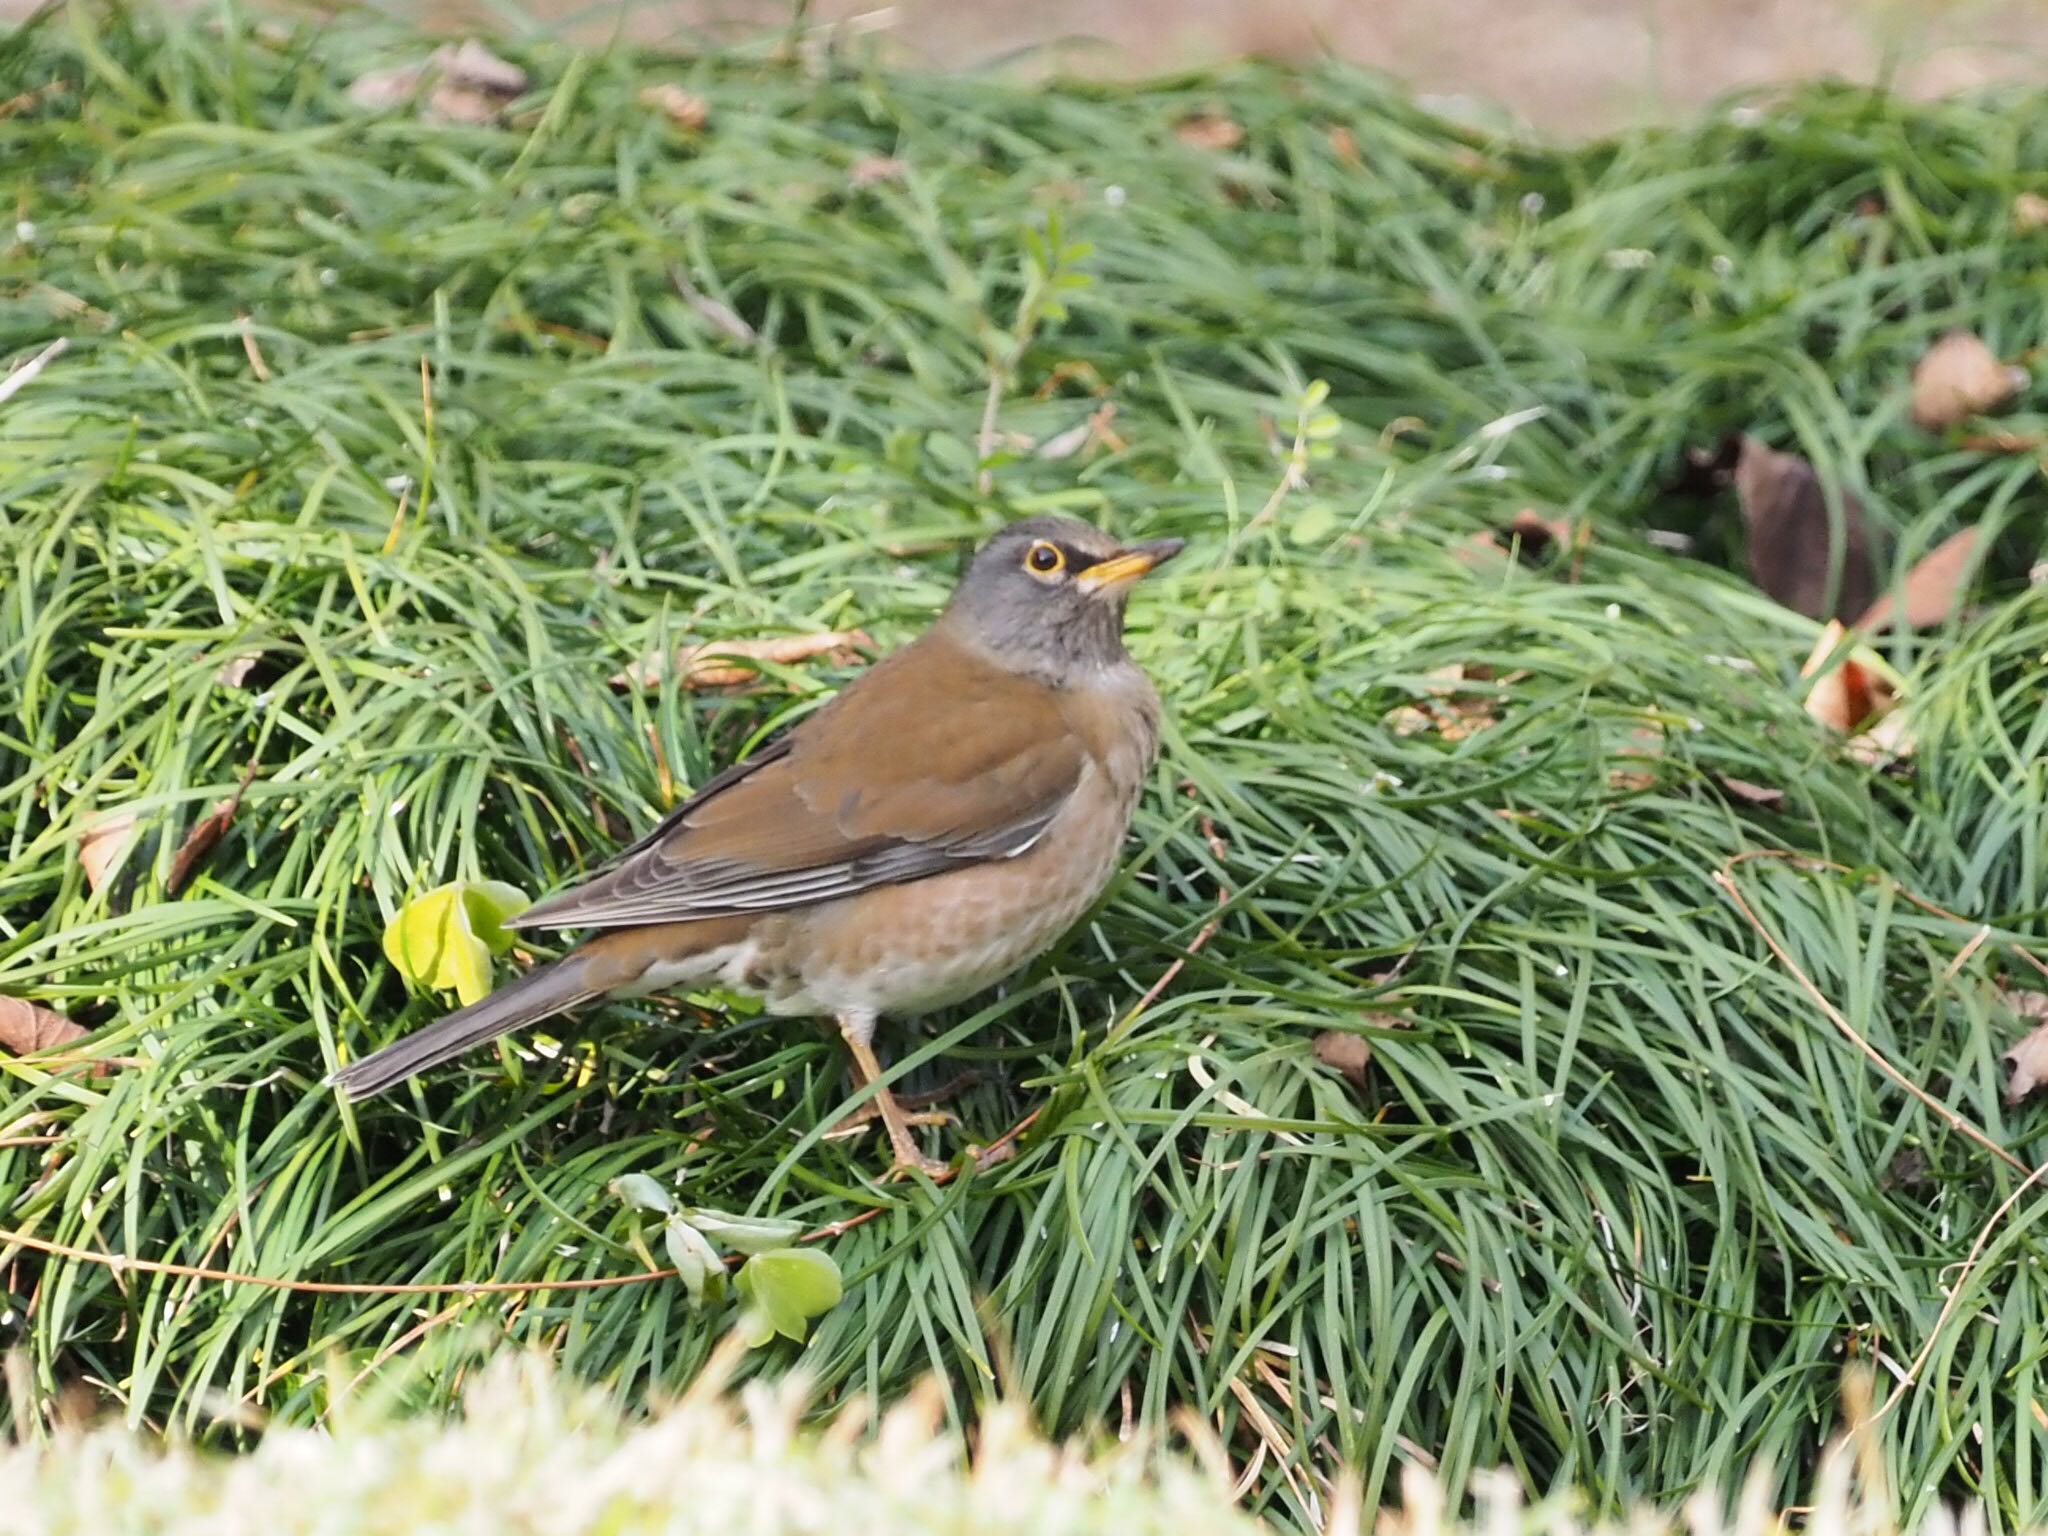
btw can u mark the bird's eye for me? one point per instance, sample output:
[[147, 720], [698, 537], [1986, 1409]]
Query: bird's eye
[[1044, 559]]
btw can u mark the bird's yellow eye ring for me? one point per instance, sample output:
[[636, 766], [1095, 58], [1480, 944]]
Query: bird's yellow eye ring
[[1045, 559]]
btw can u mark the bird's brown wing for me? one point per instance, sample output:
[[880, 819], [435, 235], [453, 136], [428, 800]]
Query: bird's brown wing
[[932, 760]]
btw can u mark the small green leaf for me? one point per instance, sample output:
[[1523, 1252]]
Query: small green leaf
[[1317, 392], [697, 1263], [444, 939], [785, 1288], [490, 903], [642, 1192], [746, 1234]]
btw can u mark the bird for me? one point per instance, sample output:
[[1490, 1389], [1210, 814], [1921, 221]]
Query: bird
[[938, 824]]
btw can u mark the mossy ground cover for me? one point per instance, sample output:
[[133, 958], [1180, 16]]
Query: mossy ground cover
[[438, 425]]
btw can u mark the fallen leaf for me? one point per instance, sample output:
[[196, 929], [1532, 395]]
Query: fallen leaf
[[1095, 430], [379, 90], [1960, 377], [1453, 715], [2000, 442], [686, 109], [870, 170], [470, 84], [2029, 1058], [1344, 144], [471, 63], [1889, 740], [1848, 695], [2029, 212], [1647, 749], [720, 663], [1933, 589], [234, 673], [1792, 542], [1535, 536], [1763, 796], [445, 939], [1209, 130], [205, 836], [26, 1028], [1349, 1054], [104, 844]]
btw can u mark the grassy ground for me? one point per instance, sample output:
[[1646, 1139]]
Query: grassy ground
[[1616, 1199]]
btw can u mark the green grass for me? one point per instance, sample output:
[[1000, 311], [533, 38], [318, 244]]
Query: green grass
[[1618, 1200]]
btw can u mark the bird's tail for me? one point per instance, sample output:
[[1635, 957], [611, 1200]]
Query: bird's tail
[[551, 989]]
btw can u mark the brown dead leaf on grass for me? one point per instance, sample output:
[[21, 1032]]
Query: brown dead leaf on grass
[[1209, 130], [465, 83], [1848, 695], [872, 170], [2029, 212], [1344, 144], [722, 663], [1447, 710], [2029, 1058], [1792, 539], [1961, 377], [205, 836], [27, 1028], [1348, 1054], [1933, 590], [686, 109], [1536, 539], [103, 846], [1763, 796]]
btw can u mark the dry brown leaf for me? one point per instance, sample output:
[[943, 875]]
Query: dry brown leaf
[[1448, 711], [1847, 695], [870, 170], [1960, 377], [104, 844], [686, 109], [1209, 130], [1344, 143], [1792, 542], [2029, 1058], [1536, 537], [453, 102], [1646, 749], [205, 836], [26, 1028], [721, 663], [1764, 796], [1095, 430], [471, 84], [1933, 588], [1890, 739], [2029, 212], [234, 673], [379, 90], [2001, 442], [1349, 1054]]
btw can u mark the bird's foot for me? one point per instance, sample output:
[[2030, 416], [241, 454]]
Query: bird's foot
[[856, 1121]]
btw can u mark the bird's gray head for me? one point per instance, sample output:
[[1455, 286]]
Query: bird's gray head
[[1046, 595]]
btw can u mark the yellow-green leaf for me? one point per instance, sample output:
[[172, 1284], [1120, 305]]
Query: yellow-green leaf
[[444, 940], [785, 1288]]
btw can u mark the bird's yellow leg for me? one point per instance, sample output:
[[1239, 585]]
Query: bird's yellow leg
[[858, 1033]]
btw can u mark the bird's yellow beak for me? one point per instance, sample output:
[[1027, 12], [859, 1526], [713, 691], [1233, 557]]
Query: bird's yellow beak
[[1120, 570]]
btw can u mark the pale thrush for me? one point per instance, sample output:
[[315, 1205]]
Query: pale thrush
[[939, 823]]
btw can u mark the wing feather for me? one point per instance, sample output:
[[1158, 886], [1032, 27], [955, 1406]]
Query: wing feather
[[933, 760]]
